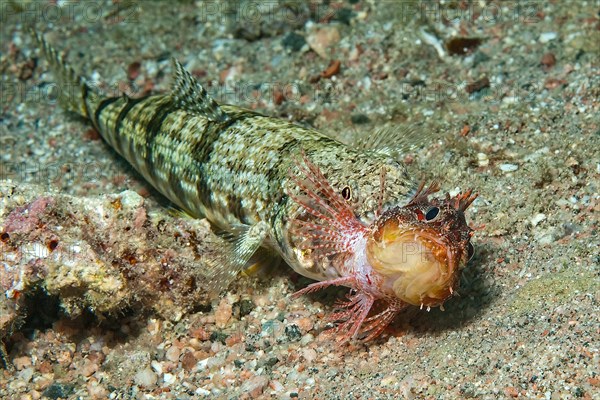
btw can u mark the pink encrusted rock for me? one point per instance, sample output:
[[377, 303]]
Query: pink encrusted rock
[[102, 253], [27, 218]]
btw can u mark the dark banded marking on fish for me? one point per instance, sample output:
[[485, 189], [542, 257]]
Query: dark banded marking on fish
[[274, 184]]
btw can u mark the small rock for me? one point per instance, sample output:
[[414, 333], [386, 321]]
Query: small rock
[[188, 361], [89, 368], [59, 390], [223, 313], [344, 15], [465, 130], [306, 339], [332, 69], [255, 386], [276, 386], [293, 41], [293, 332], [462, 45], [321, 39], [268, 363], [537, 218], [26, 374], [145, 377], [202, 392], [218, 336], [309, 355], [305, 324], [548, 60], [96, 390], [389, 381], [482, 160], [173, 354], [133, 70], [243, 307], [508, 167], [547, 236], [22, 362], [547, 36], [478, 85], [157, 367], [358, 119], [169, 379]]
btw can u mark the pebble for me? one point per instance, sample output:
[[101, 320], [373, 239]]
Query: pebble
[[255, 386], [157, 367], [547, 236], [96, 391], [169, 379], [482, 160], [223, 313], [145, 377], [293, 41], [548, 60], [508, 167], [276, 386], [202, 392], [26, 374], [88, 368], [321, 39], [547, 36], [293, 332], [309, 355], [188, 361], [173, 354], [59, 390], [22, 362], [306, 339], [389, 380], [537, 218]]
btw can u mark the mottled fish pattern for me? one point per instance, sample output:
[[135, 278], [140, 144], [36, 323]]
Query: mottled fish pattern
[[229, 164], [340, 214]]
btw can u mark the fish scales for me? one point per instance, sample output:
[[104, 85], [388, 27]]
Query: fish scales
[[232, 172], [331, 210]]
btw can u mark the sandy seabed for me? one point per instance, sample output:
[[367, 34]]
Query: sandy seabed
[[103, 291]]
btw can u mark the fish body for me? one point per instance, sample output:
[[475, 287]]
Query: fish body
[[317, 202], [235, 171]]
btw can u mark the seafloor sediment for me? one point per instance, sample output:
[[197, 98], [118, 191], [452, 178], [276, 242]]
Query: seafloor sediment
[[103, 287]]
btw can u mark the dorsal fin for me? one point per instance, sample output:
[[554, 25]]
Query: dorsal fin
[[392, 141], [189, 94]]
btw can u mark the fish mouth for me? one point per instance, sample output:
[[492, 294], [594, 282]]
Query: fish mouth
[[416, 264]]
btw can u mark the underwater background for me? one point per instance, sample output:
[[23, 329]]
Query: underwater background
[[103, 294]]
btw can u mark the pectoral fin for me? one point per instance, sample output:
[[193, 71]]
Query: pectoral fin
[[235, 254]]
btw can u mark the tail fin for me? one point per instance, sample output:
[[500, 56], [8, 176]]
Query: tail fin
[[74, 93]]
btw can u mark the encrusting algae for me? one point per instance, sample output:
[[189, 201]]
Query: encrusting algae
[[340, 214]]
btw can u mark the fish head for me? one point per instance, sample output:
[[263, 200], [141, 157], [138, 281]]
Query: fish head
[[419, 249]]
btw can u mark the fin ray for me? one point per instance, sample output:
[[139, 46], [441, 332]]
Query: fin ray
[[73, 100], [235, 254], [390, 140], [190, 95]]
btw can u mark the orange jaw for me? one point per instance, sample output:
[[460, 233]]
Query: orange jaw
[[418, 250], [414, 263]]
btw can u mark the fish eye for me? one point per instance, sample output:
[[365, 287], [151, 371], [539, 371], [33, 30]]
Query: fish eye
[[470, 251], [346, 193], [432, 213]]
